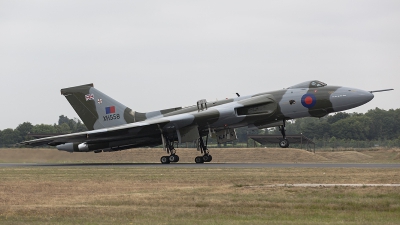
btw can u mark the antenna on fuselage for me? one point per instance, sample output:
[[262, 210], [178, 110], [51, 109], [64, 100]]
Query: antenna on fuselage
[[237, 94]]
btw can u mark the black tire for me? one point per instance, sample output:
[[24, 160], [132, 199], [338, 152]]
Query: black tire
[[284, 143], [174, 158], [164, 160], [207, 158], [199, 159]]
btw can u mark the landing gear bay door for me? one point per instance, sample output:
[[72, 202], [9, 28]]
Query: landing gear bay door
[[188, 134], [226, 135]]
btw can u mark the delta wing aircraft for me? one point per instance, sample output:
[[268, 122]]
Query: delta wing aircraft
[[113, 126]]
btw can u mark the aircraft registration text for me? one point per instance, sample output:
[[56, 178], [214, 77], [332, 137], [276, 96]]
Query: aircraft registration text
[[111, 117]]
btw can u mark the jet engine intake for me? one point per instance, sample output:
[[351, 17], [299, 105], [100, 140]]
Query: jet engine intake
[[259, 105]]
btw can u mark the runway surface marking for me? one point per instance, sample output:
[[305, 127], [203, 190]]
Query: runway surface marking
[[325, 185]]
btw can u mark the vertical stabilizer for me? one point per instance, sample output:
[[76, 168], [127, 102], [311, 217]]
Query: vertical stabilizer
[[96, 109]]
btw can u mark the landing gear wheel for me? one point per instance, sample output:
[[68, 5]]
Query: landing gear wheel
[[284, 143], [199, 159], [207, 158], [173, 158], [165, 160]]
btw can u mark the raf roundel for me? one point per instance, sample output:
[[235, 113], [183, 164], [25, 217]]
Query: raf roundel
[[308, 100]]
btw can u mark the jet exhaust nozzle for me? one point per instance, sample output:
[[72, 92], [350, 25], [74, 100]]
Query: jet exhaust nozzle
[[82, 147]]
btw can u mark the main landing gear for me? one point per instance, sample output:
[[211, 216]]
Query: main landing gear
[[283, 143], [169, 146], [204, 150]]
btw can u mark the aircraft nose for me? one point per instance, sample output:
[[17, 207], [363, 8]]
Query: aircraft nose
[[346, 98], [364, 96], [368, 96], [360, 96]]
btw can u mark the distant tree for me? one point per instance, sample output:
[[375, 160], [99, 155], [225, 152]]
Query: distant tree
[[63, 119], [336, 117], [44, 129], [62, 129], [9, 137], [24, 129], [75, 125], [292, 127], [355, 127], [309, 126], [80, 126], [385, 124]]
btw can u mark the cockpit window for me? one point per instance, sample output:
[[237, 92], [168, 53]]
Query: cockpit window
[[309, 84], [317, 84]]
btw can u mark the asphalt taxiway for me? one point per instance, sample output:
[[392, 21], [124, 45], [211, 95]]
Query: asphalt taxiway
[[207, 165]]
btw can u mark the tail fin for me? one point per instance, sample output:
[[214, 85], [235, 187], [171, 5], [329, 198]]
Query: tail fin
[[97, 110]]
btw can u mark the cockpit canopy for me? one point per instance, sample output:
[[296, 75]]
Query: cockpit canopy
[[309, 84]]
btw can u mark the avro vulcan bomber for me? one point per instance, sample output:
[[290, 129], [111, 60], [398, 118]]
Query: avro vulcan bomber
[[113, 126]]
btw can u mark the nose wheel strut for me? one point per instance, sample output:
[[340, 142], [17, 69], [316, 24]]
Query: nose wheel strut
[[283, 143]]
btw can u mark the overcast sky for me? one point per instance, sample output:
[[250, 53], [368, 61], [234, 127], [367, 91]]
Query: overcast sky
[[152, 55]]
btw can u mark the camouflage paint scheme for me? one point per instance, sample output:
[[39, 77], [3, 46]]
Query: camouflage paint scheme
[[113, 126]]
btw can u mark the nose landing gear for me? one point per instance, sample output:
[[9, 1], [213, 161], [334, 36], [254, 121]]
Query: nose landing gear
[[283, 143]]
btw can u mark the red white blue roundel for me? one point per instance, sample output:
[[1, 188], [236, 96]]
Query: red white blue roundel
[[308, 100]]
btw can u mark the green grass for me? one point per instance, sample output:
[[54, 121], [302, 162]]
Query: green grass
[[195, 196]]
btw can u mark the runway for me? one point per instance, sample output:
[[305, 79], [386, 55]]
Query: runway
[[207, 165]]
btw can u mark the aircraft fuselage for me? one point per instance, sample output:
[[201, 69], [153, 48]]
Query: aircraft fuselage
[[268, 107]]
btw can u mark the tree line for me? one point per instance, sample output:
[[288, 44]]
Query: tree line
[[9, 137], [374, 125]]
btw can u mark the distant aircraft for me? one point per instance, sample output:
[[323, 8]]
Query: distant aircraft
[[113, 126]]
